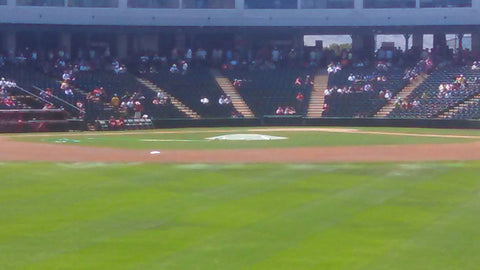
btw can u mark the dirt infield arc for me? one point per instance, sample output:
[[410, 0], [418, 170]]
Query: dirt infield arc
[[26, 151]]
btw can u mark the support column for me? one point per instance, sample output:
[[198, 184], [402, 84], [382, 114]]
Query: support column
[[66, 43], [137, 40], [407, 39], [439, 41], [417, 41], [298, 42], [122, 4], [476, 42], [358, 4], [239, 42], [363, 45], [180, 40], [357, 43], [460, 41], [149, 43], [122, 46], [239, 4], [10, 43], [369, 41]]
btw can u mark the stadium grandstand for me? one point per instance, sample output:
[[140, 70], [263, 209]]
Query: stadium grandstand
[[115, 64]]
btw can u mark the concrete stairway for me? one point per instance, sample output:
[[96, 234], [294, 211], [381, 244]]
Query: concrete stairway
[[317, 98], [179, 105], [227, 87], [460, 106], [403, 94]]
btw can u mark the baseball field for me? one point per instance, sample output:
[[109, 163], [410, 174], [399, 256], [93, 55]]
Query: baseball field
[[305, 198]]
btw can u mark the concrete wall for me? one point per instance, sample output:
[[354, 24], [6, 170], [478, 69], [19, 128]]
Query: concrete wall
[[300, 121], [239, 16]]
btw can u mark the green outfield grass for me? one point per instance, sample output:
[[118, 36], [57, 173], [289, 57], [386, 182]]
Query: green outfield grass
[[141, 216], [195, 138]]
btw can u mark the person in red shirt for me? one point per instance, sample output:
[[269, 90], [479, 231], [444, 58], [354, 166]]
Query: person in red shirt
[[120, 123], [137, 107], [112, 123], [300, 98]]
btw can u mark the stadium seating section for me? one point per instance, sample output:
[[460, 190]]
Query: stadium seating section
[[190, 88], [123, 84], [471, 111], [431, 103], [32, 80], [262, 90], [265, 90], [361, 103]]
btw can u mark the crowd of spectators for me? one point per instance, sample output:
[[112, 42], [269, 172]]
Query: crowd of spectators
[[60, 64], [6, 100]]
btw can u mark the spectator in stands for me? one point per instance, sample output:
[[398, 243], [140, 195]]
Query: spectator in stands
[[290, 110], [138, 109], [69, 96], [115, 102], [222, 100], [388, 95], [188, 55], [120, 123], [328, 91], [275, 55], [237, 83], [204, 100], [217, 55], [184, 67], [116, 66], [476, 65], [300, 97], [173, 69], [66, 75], [160, 95], [298, 82], [236, 114], [279, 111], [201, 55], [416, 103], [47, 106], [381, 94], [300, 100], [112, 124], [228, 100], [308, 80]]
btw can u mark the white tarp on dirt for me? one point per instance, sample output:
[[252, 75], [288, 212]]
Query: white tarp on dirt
[[246, 137]]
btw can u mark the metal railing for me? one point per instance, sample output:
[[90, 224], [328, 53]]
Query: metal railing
[[60, 100]]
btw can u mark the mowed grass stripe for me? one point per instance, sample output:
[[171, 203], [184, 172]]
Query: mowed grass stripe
[[74, 197], [216, 228], [114, 198], [359, 242], [242, 248], [255, 217], [451, 240], [121, 205]]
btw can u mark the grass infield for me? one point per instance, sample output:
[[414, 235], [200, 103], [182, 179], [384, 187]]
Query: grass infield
[[297, 137]]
